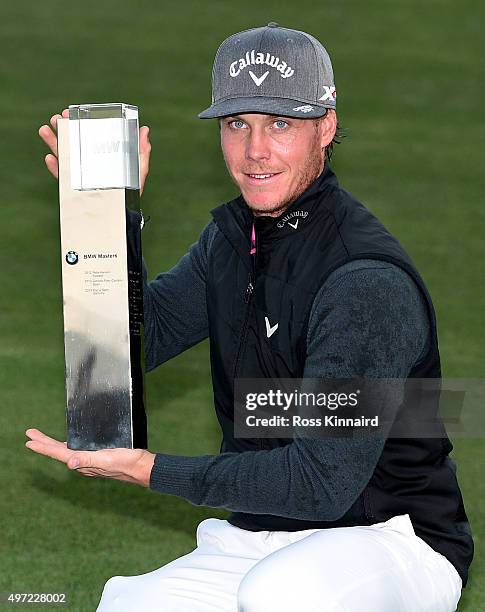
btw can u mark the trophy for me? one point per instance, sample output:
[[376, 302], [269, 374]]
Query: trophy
[[99, 193]]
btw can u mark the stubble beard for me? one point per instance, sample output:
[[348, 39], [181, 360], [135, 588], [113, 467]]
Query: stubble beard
[[309, 173]]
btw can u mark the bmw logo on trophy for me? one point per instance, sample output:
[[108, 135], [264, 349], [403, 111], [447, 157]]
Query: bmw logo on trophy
[[99, 192]]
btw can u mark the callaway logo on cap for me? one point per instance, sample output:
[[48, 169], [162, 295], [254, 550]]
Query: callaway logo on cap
[[271, 70]]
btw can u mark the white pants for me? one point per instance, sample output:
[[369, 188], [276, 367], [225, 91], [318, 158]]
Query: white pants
[[383, 567]]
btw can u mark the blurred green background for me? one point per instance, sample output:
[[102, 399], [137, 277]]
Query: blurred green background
[[409, 76]]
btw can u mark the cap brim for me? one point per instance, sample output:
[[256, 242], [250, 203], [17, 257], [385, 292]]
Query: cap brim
[[266, 106]]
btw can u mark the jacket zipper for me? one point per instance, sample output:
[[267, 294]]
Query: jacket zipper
[[248, 294]]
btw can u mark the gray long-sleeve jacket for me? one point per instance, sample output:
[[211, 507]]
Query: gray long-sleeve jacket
[[368, 319]]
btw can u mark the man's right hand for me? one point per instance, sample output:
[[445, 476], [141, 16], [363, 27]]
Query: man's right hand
[[48, 135]]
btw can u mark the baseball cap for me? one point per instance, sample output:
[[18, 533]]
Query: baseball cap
[[271, 70]]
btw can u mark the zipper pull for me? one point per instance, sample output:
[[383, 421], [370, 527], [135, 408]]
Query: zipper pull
[[249, 289]]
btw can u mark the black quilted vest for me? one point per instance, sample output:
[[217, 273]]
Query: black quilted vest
[[322, 230]]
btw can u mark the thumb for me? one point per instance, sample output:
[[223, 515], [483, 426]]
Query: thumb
[[74, 462]]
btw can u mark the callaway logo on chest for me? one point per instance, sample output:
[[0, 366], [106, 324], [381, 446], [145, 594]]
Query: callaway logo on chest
[[252, 59], [293, 222]]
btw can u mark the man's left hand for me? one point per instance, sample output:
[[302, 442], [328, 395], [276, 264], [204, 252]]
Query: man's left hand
[[130, 465]]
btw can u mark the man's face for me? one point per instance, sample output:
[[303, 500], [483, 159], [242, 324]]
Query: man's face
[[274, 159]]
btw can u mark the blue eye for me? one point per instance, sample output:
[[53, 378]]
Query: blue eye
[[237, 123], [280, 124]]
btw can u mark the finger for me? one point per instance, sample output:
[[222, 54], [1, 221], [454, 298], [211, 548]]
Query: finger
[[39, 436], [54, 451], [50, 139], [52, 165], [144, 132], [145, 145], [65, 113], [100, 460], [53, 120], [59, 451], [35, 434], [145, 150]]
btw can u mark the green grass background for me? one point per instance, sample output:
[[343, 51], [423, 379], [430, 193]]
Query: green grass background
[[409, 76]]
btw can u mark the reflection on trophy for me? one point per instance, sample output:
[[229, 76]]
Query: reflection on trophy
[[99, 192]]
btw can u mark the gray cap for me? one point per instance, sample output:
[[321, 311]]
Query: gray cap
[[271, 70]]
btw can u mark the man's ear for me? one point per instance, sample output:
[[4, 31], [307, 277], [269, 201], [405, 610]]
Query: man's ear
[[328, 127]]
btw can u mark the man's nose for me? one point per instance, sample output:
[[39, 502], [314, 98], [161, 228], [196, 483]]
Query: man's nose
[[258, 146]]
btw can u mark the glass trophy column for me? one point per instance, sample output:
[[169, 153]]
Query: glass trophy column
[[99, 193]]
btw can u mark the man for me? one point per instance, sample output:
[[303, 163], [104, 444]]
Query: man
[[293, 279]]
